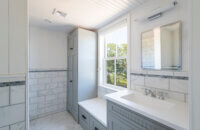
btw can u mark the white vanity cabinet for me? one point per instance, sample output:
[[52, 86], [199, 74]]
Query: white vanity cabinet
[[13, 36]]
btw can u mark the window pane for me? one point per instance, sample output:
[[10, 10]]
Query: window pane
[[122, 50], [121, 73], [110, 72], [111, 50]]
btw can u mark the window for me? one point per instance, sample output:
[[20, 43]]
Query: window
[[115, 58]]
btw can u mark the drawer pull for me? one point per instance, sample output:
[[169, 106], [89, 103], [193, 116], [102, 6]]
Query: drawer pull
[[84, 117], [95, 128], [71, 48]]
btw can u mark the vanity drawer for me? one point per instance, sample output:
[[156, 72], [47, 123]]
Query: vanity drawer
[[96, 125], [84, 118], [134, 117]]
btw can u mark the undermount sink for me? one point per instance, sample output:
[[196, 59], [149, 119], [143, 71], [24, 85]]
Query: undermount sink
[[150, 102]]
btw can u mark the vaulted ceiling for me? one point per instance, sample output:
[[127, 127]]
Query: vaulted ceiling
[[91, 14]]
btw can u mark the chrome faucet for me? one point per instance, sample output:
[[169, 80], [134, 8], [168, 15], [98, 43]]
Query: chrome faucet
[[153, 93], [149, 91]]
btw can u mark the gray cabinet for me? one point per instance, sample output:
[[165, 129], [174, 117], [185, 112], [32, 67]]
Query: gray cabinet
[[82, 61], [121, 118], [116, 123], [95, 124], [88, 122]]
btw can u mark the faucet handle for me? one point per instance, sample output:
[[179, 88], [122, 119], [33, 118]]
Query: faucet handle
[[146, 91], [161, 95]]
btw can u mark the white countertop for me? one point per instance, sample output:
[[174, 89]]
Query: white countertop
[[97, 108], [175, 117]]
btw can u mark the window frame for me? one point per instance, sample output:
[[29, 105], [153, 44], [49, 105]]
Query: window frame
[[106, 58], [124, 20]]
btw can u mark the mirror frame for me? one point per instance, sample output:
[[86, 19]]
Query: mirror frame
[[178, 68]]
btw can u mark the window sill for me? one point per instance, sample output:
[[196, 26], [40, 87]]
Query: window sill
[[117, 89]]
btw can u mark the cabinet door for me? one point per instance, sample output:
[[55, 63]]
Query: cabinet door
[[96, 125], [18, 33], [4, 37], [115, 123], [69, 91], [75, 85], [70, 44], [75, 40]]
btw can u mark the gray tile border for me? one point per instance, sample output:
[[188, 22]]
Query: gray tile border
[[161, 76], [15, 83], [46, 70]]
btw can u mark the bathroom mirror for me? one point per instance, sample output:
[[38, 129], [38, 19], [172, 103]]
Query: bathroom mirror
[[161, 47]]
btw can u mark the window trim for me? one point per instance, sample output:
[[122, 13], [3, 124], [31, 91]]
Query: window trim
[[101, 33]]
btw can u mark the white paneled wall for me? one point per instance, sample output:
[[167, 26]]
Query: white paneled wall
[[47, 93]]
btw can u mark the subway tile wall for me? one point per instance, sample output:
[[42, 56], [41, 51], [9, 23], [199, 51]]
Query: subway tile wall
[[174, 87], [47, 93], [12, 103]]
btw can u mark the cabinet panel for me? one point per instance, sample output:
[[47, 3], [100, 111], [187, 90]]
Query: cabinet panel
[[134, 118], [70, 44], [96, 125], [115, 123], [4, 37], [18, 33]]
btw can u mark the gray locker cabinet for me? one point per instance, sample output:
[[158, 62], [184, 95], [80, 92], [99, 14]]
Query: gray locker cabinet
[[82, 68], [118, 115]]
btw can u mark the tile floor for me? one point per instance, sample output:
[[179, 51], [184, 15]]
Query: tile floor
[[58, 121]]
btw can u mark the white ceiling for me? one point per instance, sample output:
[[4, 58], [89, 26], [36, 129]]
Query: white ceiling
[[91, 14]]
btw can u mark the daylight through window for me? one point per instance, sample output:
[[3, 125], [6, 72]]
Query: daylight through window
[[115, 58]]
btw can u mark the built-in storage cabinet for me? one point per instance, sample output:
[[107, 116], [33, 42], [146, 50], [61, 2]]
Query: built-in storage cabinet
[[82, 55], [88, 122], [121, 118], [13, 36], [95, 124]]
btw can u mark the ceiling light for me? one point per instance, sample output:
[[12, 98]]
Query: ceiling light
[[47, 20], [61, 13]]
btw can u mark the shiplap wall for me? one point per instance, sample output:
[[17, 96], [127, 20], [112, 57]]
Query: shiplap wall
[[176, 88]]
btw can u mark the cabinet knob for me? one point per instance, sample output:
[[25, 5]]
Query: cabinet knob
[[71, 81], [83, 116], [71, 48], [96, 128]]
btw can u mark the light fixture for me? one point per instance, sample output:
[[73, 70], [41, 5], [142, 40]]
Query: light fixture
[[157, 13], [47, 21], [61, 13]]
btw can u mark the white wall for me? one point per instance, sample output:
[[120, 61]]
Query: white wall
[[195, 68], [181, 12], [48, 49]]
